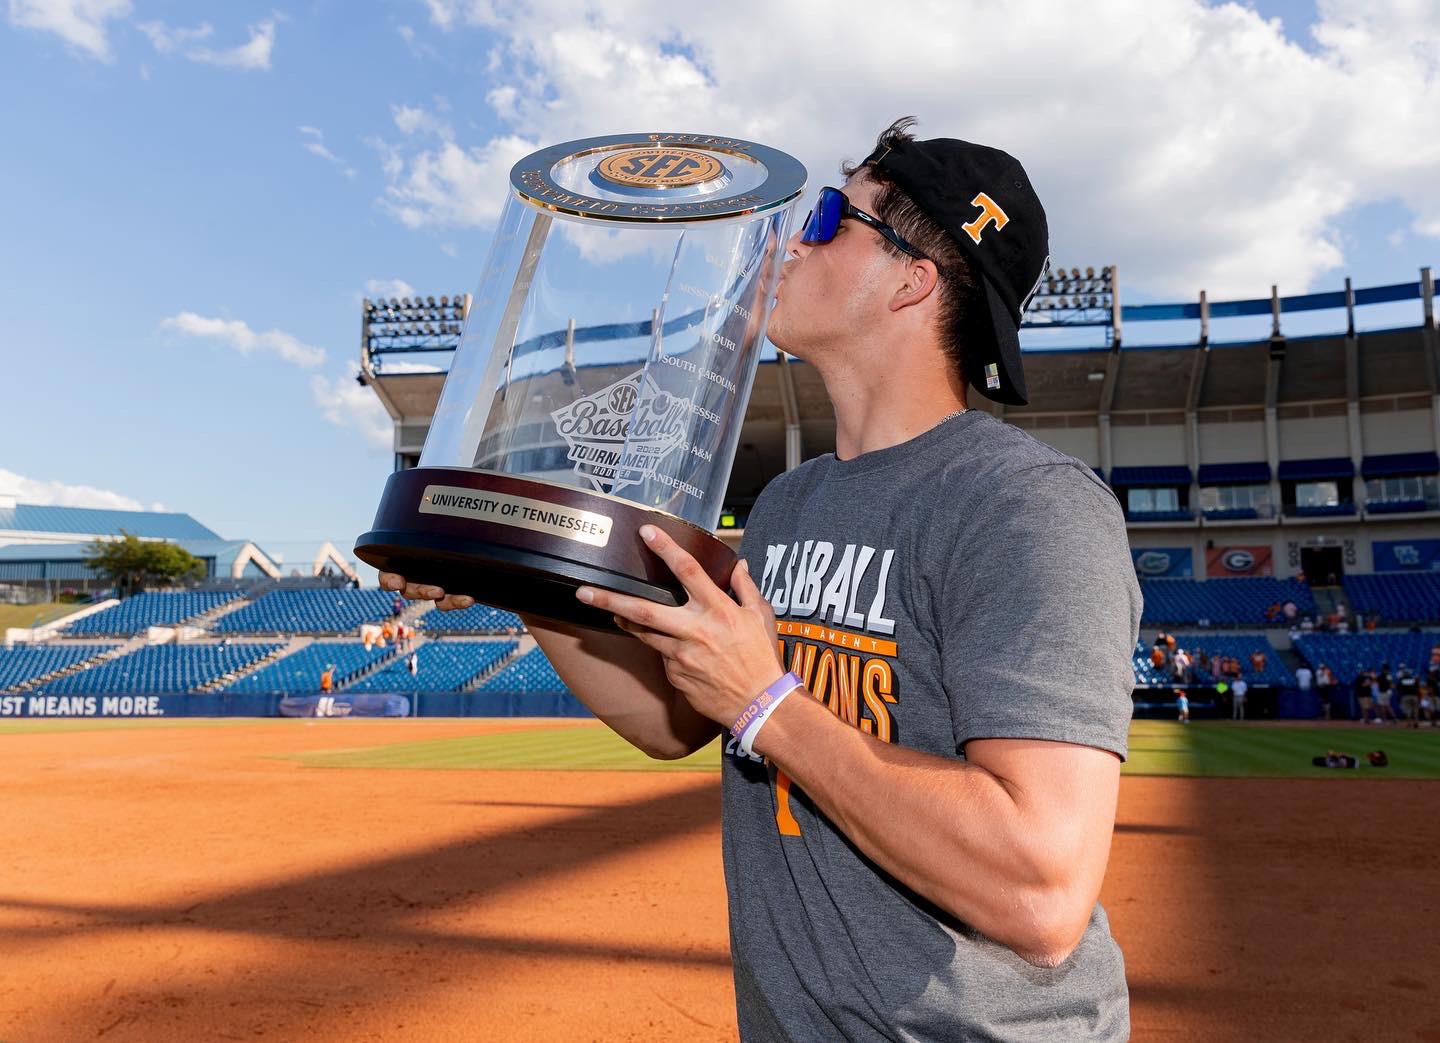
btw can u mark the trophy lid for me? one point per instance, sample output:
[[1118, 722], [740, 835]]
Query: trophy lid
[[649, 178]]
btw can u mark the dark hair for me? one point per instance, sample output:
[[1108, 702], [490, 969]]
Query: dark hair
[[958, 287]]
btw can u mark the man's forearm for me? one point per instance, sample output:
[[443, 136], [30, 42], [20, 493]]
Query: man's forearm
[[983, 850], [624, 684]]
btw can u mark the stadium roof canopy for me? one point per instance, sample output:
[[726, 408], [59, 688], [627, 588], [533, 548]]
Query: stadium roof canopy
[[35, 523], [233, 559]]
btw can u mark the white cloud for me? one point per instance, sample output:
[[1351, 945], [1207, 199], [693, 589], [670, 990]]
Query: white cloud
[[346, 403], [190, 44], [239, 336], [388, 288], [167, 39], [452, 185], [80, 23], [1192, 144], [314, 143], [412, 120], [50, 493]]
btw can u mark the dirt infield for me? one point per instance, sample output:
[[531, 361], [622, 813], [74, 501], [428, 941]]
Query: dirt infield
[[191, 883]]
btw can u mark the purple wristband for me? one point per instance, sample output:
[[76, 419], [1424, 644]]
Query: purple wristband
[[747, 725]]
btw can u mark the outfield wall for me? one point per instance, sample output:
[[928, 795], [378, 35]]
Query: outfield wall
[[367, 704]]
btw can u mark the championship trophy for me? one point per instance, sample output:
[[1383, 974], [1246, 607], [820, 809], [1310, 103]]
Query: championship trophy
[[602, 377]]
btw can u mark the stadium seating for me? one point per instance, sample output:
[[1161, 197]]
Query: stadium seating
[[1238, 646], [300, 671], [478, 619], [158, 669], [1405, 597], [1348, 654], [1220, 602], [1182, 515], [308, 612], [530, 674], [443, 666], [136, 613], [25, 663]]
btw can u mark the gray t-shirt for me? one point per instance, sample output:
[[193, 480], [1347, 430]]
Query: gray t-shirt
[[969, 583]]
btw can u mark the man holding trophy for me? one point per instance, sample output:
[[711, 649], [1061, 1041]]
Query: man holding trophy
[[923, 675]]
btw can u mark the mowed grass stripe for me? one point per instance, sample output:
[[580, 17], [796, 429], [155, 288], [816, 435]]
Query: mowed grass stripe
[[544, 749], [1249, 750], [1160, 748]]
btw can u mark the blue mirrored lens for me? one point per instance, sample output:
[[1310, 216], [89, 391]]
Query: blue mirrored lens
[[822, 222]]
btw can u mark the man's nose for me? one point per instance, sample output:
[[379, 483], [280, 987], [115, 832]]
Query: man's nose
[[794, 247]]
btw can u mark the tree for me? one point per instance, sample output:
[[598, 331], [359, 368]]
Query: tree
[[132, 564]]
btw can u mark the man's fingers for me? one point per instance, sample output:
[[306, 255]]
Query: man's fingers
[[743, 584], [647, 614], [687, 570], [393, 581]]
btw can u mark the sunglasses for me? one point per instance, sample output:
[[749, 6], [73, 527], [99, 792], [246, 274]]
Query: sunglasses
[[831, 208]]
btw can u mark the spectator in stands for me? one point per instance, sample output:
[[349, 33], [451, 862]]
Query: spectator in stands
[[397, 607], [1202, 661], [1435, 657], [1427, 702], [1180, 666], [1257, 663], [1372, 621], [1325, 689], [1290, 610], [1182, 705], [1407, 686], [327, 679], [1238, 690], [1384, 694], [1274, 613], [413, 662], [1157, 656]]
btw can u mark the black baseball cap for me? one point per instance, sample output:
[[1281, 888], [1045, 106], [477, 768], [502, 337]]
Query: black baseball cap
[[983, 198]]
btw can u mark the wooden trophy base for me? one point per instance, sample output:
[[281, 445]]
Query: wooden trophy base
[[527, 545]]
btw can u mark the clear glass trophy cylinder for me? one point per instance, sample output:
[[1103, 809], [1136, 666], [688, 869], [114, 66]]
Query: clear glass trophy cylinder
[[603, 374]]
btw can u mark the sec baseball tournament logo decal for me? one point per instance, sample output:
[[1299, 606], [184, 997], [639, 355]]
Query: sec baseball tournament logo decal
[[620, 434], [659, 168]]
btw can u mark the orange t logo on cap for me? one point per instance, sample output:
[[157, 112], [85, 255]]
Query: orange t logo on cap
[[989, 211]]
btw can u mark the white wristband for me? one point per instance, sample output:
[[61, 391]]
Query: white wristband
[[748, 724]]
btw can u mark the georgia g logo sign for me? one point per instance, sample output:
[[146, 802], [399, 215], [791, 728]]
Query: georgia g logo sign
[[1238, 560]]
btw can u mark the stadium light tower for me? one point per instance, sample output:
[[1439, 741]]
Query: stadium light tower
[[1071, 297], [409, 326]]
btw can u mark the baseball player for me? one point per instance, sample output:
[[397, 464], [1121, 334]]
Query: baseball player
[[924, 674]]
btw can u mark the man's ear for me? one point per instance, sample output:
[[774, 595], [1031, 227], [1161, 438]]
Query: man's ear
[[921, 280]]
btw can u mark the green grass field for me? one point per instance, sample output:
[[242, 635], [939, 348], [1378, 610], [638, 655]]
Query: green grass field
[[1212, 749], [33, 615]]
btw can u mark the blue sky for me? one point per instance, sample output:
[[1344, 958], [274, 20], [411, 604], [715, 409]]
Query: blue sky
[[197, 196]]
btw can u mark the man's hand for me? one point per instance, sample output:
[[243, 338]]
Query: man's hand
[[717, 654], [424, 592]]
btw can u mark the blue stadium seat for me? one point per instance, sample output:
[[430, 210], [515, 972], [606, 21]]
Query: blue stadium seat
[[308, 612], [443, 666], [1405, 597], [27, 662], [159, 669], [478, 619], [300, 671], [1238, 646], [1348, 654], [1240, 600], [136, 613], [530, 674]]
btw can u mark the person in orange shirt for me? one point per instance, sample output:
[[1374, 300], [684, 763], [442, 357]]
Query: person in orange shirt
[[327, 679]]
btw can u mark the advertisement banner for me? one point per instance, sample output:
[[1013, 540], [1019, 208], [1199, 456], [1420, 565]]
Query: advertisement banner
[[1221, 562], [1407, 555], [1163, 562]]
